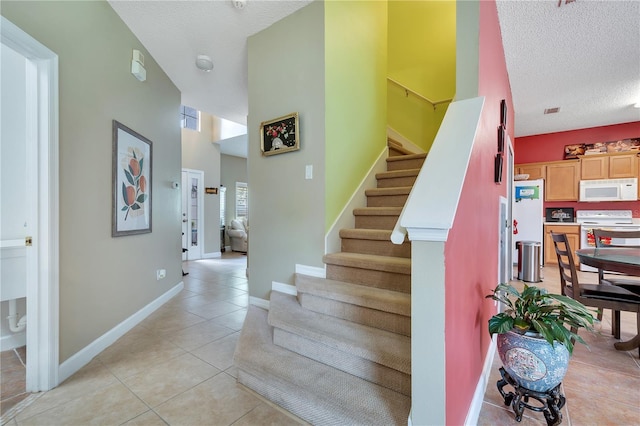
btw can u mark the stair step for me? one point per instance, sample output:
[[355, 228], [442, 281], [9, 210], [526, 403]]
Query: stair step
[[376, 355], [391, 273], [387, 197], [404, 162], [396, 148], [373, 241], [379, 308], [397, 178], [311, 390], [376, 217]]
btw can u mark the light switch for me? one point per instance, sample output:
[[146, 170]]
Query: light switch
[[308, 171]]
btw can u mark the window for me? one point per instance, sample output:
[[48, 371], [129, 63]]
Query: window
[[223, 205], [189, 118], [242, 202]]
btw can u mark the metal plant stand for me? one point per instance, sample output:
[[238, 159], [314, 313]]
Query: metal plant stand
[[551, 402]]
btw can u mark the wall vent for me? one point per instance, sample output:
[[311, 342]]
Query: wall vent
[[552, 110]]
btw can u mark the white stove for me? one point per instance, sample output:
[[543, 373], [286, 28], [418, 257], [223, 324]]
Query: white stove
[[608, 219]]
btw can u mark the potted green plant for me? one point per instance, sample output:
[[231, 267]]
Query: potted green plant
[[536, 332]]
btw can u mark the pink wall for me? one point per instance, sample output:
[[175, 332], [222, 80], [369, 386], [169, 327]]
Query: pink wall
[[471, 252], [550, 147]]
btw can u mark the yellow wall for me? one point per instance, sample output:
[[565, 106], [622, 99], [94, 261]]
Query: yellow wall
[[422, 49], [355, 96]]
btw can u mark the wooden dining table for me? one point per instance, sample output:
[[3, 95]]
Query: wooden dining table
[[625, 260]]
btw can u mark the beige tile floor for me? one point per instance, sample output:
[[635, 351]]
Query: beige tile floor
[[176, 368]]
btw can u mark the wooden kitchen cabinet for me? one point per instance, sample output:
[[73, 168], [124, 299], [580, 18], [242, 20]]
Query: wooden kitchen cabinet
[[609, 166], [573, 235], [623, 166], [562, 180], [594, 167], [534, 170]]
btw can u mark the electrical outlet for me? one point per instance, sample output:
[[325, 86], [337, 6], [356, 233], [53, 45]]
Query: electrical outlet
[[161, 273]]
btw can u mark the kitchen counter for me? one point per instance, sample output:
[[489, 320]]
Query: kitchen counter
[[562, 223]]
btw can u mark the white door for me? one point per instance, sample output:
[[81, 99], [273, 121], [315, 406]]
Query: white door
[[30, 138], [192, 213], [16, 200]]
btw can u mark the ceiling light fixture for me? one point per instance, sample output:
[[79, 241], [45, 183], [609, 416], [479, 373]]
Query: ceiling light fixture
[[204, 63], [239, 4]]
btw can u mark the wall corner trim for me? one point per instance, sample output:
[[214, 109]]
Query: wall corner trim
[[85, 355], [478, 396]]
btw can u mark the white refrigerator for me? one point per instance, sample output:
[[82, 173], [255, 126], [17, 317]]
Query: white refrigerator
[[528, 214]]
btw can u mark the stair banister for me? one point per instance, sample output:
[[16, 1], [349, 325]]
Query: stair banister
[[426, 218], [418, 95], [430, 209]]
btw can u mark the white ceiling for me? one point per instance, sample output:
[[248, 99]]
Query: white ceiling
[[583, 57]]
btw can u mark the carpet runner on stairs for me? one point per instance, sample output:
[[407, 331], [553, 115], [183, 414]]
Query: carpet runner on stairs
[[315, 392], [380, 308], [340, 352]]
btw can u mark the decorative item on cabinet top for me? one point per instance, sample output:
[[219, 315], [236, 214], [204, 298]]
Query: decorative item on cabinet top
[[623, 145]]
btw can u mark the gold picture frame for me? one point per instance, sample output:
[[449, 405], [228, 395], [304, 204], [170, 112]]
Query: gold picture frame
[[280, 135]]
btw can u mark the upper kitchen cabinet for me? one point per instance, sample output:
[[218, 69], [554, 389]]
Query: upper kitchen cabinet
[[609, 166], [623, 166], [534, 170], [562, 180]]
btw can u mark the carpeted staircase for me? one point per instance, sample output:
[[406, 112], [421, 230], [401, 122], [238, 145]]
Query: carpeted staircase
[[340, 352]]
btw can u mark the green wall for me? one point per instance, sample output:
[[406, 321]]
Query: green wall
[[104, 280], [422, 57], [355, 96]]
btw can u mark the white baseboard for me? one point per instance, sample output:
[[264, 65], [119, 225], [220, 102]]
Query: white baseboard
[[82, 357], [478, 397], [284, 288], [214, 255], [12, 341], [260, 303], [312, 271]]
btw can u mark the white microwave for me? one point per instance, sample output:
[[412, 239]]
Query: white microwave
[[609, 190]]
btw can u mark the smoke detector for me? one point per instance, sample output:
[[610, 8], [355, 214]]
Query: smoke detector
[[239, 4], [204, 63]]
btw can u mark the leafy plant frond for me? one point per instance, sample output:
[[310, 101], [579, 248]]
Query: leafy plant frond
[[550, 315]]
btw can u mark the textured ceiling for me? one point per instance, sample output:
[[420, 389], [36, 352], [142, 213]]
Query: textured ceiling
[[583, 57]]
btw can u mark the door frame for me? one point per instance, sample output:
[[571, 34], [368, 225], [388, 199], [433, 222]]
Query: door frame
[[42, 159]]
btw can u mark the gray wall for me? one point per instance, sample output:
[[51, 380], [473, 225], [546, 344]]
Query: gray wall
[[104, 280], [286, 211], [232, 169], [200, 153]]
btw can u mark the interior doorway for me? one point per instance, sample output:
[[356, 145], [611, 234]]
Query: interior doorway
[[40, 227], [192, 214]]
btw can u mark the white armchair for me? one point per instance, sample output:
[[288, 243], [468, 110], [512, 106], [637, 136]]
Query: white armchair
[[239, 234]]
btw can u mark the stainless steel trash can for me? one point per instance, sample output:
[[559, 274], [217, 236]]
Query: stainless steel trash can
[[529, 261]]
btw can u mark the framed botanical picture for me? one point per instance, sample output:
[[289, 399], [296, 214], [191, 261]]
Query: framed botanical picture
[[503, 113], [131, 192], [280, 135]]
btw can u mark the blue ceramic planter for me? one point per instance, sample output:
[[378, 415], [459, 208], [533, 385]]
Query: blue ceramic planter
[[532, 361]]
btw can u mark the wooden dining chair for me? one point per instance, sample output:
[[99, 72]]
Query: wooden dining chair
[[603, 239], [598, 296]]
